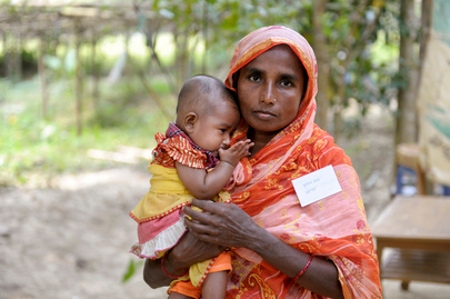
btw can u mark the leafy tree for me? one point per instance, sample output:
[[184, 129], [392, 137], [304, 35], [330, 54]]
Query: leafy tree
[[356, 52], [356, 42]]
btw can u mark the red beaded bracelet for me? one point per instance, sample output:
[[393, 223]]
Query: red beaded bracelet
[[304, 268], [167, 273]]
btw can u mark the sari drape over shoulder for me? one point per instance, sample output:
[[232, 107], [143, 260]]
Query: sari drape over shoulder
[[334, 228]]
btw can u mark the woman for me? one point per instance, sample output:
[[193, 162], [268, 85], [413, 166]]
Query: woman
[[282, 247]]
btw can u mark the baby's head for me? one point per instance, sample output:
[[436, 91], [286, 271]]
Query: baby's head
[[207, 112]]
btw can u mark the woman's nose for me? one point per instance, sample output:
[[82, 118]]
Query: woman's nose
[[267, 95]]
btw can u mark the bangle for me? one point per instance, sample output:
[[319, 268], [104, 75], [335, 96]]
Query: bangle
[[304, 268], [167, 273]]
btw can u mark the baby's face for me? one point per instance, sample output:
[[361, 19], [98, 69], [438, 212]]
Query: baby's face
[[214, 130]]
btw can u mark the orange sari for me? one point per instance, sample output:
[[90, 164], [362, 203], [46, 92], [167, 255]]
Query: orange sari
[[334, 228]]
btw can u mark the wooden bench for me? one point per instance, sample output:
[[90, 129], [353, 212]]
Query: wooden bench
[[417, 231], [417, 265]]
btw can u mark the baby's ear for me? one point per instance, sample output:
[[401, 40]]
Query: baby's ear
[[190, 121]]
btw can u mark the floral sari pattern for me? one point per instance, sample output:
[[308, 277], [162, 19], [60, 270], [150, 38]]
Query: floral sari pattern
[[333, 228]]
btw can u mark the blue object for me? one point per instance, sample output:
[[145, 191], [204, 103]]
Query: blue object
[[406, 181], [446, 190]]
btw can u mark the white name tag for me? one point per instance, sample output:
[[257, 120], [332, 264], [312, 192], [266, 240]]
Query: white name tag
[[316, 185]]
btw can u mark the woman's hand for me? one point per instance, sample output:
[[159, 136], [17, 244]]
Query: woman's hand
[[227, 225], [191, 250], [188, 251], [221, 223]]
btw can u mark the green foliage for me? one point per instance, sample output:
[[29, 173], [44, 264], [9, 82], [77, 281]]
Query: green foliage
[[28, 60], [186, 38], [117, 104], [133, 266], [363, 47], [31, 145], [62, 63], [125, 104], [362, 41], [219, 24]]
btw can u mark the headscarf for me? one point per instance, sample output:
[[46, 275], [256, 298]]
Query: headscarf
[[334, 228], [264, 39]]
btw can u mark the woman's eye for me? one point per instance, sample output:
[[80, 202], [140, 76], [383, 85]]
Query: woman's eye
[[286, 83], [254, 78]]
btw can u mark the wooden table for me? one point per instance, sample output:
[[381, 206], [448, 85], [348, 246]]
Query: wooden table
[[418, 230]]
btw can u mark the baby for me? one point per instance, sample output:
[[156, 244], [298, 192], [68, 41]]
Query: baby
[[193, 159]]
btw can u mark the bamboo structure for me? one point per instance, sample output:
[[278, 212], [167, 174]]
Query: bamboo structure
[[65, 22]]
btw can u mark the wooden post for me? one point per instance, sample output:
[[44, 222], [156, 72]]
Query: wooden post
[[43, 78], [323, 60], [78, 79], [95, 72], [426, 23], [204, 29], [406, 135], [406, 131], [13, 56]]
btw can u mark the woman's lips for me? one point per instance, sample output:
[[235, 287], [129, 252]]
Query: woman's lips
[[263, 115]]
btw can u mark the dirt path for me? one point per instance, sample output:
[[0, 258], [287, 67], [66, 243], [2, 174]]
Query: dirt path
[[72, 240]]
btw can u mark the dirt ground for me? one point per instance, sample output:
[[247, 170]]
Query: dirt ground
[[71, 240]]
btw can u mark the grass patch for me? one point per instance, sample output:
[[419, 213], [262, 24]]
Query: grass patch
[[32, 146]]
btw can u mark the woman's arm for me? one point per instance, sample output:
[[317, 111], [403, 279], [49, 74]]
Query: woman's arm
[[321, 276], [154, 275], [188, 251], [228, 225], [205, 185]]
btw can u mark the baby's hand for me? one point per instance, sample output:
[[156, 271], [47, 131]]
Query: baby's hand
[[239, 150]]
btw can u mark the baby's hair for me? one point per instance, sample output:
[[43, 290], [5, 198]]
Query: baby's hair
[[201, 87]]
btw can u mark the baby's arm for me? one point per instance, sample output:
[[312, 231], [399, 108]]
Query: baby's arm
[[203, 184]]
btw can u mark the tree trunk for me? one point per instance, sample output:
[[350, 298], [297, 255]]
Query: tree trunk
[[406, 130], [78, 78], [426, 23], [12, 45], [95, 73], [43, 77], [181, 56], [320, 48], [205, 25]]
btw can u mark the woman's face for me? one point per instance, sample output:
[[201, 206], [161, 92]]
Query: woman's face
[[270, 89]]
